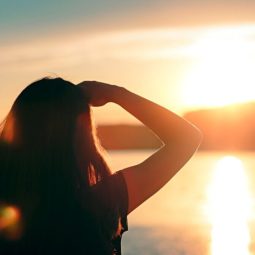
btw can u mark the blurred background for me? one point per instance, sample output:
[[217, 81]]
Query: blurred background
[[194, 57]]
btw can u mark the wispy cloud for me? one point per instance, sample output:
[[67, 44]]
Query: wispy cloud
[[147, 44]]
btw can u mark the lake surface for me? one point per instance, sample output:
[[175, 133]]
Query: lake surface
[[206, 209]]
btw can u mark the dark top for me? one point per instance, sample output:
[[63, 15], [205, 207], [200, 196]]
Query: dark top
[[113, 194], [68, 230], [121, 197]]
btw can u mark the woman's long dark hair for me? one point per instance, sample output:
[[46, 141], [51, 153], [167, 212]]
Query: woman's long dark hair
[[40, 174]]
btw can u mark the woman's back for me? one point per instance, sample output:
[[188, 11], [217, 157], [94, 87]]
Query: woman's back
[[45, 227], [57, 233]]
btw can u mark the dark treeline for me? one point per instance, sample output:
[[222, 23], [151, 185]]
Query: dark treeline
[[226, 128]]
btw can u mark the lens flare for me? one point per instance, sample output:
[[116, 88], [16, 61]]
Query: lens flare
[[10, 222], [229, 208]]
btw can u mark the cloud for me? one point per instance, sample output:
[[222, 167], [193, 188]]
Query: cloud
[[137, 45]]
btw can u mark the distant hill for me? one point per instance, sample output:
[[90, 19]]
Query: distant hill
[[225, 128], [125, 137]]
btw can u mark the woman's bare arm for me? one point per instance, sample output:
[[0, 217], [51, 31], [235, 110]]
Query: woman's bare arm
[[180, 139]]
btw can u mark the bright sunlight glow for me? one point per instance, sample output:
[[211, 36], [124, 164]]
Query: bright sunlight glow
[[223, 71], [229, 207]]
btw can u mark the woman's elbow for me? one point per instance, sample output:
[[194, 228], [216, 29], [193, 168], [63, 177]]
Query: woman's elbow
[[189, 139]]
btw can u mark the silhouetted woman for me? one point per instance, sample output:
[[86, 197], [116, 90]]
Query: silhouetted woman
[[57, 194]]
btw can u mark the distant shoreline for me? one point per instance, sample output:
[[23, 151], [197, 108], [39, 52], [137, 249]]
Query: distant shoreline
[[230, 128]]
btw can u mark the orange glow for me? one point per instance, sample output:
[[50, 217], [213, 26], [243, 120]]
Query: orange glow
[[8, 134], [10, 222], [8, 216]]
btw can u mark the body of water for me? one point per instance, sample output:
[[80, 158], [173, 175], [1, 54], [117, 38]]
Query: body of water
[[206, 209]]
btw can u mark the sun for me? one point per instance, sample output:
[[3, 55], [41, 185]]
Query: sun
[[223, 73]]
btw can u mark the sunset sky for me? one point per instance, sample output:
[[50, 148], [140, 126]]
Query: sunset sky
[[182, 54]]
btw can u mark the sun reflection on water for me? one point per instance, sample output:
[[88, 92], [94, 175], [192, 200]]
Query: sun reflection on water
[[229, 208]]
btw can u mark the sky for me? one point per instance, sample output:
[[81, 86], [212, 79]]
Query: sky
[[184, 55]]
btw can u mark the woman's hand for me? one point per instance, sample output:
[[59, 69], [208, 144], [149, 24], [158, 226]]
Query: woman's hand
[[98, 93]]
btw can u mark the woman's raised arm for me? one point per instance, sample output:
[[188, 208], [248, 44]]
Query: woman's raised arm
[[180, 139]]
